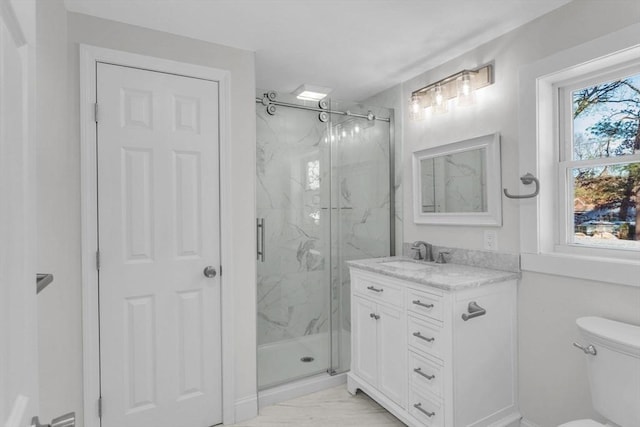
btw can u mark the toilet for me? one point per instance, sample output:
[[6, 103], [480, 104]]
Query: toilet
[[612, 350]]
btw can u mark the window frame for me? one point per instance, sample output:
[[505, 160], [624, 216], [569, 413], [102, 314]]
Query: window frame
[[566, 163], [539, 153]]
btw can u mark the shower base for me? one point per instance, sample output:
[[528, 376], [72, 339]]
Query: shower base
[[293, 368], [281, 362]]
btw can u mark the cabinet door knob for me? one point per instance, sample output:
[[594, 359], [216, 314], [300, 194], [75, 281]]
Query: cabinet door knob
[[374, 316]]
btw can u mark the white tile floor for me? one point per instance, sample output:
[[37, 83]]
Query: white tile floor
[[333, 407]]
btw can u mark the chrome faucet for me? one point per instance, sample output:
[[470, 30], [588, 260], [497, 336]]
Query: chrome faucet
[[428, 250]]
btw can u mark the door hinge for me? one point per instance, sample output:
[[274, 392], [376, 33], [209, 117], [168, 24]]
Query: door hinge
[[95, 112], [98, 260], [100, 407]]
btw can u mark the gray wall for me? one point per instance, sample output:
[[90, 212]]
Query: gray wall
[[553, 384], [58, 129]]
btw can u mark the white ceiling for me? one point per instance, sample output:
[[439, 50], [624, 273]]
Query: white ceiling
[[356, 47]]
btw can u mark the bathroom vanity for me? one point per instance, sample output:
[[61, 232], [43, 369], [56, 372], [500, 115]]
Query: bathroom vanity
[[435, 344]]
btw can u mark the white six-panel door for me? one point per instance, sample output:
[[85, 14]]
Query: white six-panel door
[[158, 224]]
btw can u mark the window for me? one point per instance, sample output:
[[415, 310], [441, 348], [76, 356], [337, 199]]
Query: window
[[548, 134], [599, 168], [313, 175]]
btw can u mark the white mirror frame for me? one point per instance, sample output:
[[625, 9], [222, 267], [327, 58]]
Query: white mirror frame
[[493, 215]]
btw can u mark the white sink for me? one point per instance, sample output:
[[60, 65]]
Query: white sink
[[407, 265]]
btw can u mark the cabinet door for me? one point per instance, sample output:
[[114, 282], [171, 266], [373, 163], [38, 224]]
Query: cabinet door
[[392, 354], [365, 357], [484, 357]]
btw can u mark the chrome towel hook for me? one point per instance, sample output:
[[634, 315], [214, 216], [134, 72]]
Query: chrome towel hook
[[526, 179]]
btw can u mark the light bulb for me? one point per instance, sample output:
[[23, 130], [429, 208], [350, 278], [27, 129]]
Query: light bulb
[[440, 102], [466, 95], [357, 129], [439, 97], [415, 109]]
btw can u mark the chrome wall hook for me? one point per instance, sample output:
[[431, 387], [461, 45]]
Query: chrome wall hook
[[526, 179]]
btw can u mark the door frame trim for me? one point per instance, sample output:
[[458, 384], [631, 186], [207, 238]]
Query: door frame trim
[[89, 56]]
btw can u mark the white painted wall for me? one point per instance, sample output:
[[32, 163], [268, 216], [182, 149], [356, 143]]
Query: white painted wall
[[59, 34], [58, 219], [553, 384]]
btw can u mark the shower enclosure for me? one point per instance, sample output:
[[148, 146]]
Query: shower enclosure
[[324, 196]]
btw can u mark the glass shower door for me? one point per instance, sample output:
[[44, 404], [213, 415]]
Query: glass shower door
[[361, 159], [323, 195], [292, 293]]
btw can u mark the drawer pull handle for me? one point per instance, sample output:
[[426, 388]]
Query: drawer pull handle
[[374, 289], [374, 316], [421, 304], [419, 372], [418, 406], [474, 311], [422, 337]]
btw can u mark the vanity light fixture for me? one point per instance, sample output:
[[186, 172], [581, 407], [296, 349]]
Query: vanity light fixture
[[460, 86], [307, 92]]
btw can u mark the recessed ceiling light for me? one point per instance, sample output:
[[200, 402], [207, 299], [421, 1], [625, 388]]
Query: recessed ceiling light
[[311, 93]]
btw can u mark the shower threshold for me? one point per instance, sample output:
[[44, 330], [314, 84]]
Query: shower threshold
[[299, 388]]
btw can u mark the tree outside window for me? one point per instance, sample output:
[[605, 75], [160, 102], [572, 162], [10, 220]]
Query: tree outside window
[[606, 179]]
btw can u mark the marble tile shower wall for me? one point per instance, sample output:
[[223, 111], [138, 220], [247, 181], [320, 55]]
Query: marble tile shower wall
[[293, 198], [292, 300]]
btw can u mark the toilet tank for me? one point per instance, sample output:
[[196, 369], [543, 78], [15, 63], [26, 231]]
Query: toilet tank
[[614, 372]]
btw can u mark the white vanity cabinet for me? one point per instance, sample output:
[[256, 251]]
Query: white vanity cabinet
[[379, 317], [413, 352]]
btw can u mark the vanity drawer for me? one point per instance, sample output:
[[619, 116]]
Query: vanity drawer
[[427, 410], [425, 336], [424, 303], [379, 291], [425, 374]]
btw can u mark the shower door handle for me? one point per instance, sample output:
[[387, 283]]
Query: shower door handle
[[260, 246]]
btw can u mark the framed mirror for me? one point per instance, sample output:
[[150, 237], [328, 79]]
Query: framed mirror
[[459, 183]]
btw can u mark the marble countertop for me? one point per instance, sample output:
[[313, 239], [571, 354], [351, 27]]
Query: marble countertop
[[443, 276]]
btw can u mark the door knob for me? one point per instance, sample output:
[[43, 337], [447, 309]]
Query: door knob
[[210, 272]]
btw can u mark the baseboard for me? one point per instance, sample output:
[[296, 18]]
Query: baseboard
[[246, 408], [512, 419], [527, 423], [299, 388]]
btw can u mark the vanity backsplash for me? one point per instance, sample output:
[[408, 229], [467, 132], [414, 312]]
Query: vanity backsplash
[[483, 259]]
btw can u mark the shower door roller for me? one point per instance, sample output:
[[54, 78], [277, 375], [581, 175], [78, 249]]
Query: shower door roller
[[209, 272]]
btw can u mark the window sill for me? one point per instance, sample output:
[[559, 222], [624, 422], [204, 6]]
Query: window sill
[[619, 272]]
